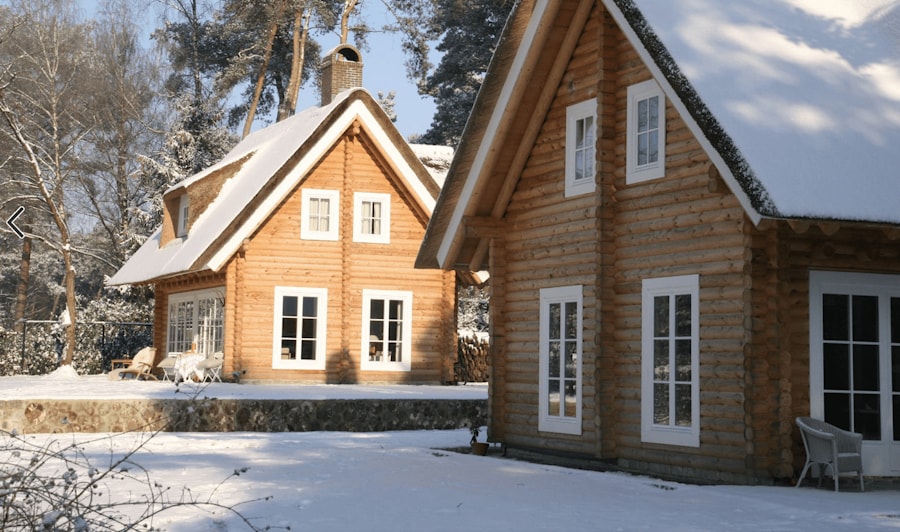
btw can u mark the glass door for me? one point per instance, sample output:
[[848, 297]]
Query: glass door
[[855, 361]]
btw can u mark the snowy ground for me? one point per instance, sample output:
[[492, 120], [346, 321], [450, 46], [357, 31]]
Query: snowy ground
[[65, 384], [401, 481]]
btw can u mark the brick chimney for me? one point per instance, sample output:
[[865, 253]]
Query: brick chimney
[[341, 70]]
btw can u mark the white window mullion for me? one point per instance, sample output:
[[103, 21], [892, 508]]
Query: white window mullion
[[581, 154], [670, 367], [299, 328], [386, 334], [319, 216], [560, 360], [372, 218], [645, 157], [196, 319]]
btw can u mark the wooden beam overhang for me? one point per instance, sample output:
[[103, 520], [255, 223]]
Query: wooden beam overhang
[[483, 227], [549, 84]]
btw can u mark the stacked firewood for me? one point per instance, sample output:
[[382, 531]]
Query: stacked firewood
[[472, 358]]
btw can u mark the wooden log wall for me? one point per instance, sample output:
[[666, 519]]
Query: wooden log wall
[[609, 242], [550, 241], [276, 256]]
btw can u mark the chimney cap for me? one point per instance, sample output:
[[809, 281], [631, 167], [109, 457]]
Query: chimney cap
[[343, 52]]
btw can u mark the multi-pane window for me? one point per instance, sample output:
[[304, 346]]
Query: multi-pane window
[[320, 215], [560, 354], [196, 322], [300, 328], [851, 382], [854, 360], [372, 217], [647, 131], [386, 333], [670, 361], [646, 142], [581, 140], [319, 220], [181, 325]]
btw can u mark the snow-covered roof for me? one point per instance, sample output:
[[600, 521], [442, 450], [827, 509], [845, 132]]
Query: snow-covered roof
[[796, 103], [293, 145], [801, 98]]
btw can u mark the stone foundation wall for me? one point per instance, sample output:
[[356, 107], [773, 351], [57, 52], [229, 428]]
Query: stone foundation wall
[[233, 415]]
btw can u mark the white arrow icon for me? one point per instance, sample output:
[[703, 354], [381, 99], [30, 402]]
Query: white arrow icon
[[11, 222]]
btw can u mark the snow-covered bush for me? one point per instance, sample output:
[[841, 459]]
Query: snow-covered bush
[[106, 329], [473, 314]]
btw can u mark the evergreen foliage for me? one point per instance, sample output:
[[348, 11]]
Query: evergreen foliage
[[470, 34]]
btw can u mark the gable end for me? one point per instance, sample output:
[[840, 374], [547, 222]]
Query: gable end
[[713, 131]]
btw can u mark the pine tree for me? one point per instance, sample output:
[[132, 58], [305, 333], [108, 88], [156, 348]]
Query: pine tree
[[470, 34]]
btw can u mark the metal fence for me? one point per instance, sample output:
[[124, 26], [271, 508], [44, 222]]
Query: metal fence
[[39, 347]]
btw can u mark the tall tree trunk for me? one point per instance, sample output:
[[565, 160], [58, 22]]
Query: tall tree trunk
[[70, 305], [349, 6], [261, 77], [53, 201], [22, 288], [301, 34]]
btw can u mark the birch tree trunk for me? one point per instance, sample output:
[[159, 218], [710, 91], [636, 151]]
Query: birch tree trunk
[[52, 200]]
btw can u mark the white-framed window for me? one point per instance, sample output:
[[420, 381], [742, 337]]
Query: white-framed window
[[854, 360], [300, 326], [372, 218], [386, 330], [183, 212], [196, 322], [670, 360], [581, 147], [319, 219], [560, 356], [646, 127]]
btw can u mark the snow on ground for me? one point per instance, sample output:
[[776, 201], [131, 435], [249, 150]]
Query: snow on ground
[[398, 481], [401, 481], [64, 383]]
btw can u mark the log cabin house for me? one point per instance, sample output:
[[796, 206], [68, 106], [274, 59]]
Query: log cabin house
[[294, 256], [690, 212]]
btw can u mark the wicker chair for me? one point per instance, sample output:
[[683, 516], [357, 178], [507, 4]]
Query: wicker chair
[[829, 446]]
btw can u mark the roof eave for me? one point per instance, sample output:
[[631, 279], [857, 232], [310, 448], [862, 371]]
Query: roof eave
[[474, 157]]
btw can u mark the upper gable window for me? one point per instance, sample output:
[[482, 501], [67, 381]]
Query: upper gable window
[[319, 220], [646, 151], [183, 212], [372, 218], [581, 139]]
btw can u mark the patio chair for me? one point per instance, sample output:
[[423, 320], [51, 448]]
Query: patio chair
[[141, 366], [212, 367], [167, 365], [830, 447]]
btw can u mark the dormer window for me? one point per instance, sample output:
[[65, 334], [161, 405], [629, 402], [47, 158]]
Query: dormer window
[[646, 144], [183, 212]]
